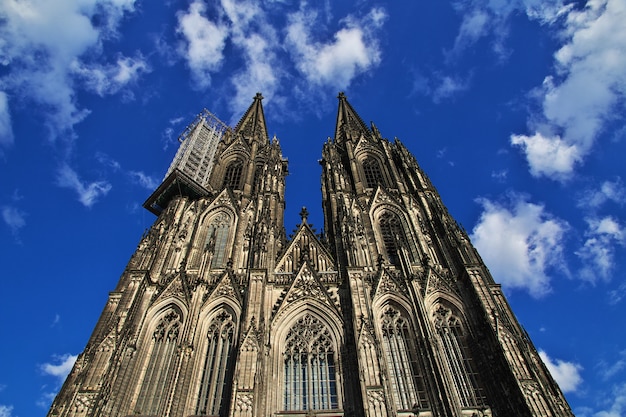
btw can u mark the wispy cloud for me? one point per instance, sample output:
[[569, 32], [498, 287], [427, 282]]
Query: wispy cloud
[[520, 242], [566, 374], [613, 403], [88, 192], [144, 180], [105, 79], [598, 252], [587, 90], [6, 129], [14, 218], [6, 410], [608, 191], [610, 370]]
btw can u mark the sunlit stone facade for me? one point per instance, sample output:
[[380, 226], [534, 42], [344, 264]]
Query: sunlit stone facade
[[390, 312]]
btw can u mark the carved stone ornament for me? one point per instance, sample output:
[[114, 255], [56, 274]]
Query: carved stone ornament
[[244, 401]]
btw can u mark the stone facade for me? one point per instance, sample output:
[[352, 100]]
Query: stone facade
[[391, 312]]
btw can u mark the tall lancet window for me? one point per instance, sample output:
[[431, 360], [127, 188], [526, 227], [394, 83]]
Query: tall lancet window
[[373, 174], [160, 369], [458, 357], [405, 373], [232, 178], [309, 358], [393, 236], [217, 372], [217, 239]]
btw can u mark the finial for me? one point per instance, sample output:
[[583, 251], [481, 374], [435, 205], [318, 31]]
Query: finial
[[258, 96], [304, 213], [341, 95]]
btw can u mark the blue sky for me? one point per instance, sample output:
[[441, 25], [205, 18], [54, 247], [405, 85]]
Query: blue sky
[[515, 109]]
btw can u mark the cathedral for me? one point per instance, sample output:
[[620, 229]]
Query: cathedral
[[390, 312]]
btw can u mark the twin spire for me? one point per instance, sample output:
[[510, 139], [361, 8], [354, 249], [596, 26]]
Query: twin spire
[[349, 123]]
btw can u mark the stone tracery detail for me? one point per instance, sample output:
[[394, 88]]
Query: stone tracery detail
[[458, 357], [310, 381], [405, 373], [217, 370], [161, 358]]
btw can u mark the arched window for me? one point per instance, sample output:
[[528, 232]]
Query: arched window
[[159, 371], [309, 359], [458, 357], [217, 239], [405, 373], [232, 177], [373, 174], [217, 372], [393, 236]]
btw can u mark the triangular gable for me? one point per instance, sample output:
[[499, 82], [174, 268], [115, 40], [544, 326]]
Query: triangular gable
[[238, 146], [305, 244], [382, 196], [439, 282], [387, 284], [365, 144], [225, 287], [305, 286], [175, 286], [223, 199]]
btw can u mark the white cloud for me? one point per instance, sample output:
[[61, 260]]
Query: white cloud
[[566, 374], [549, 156], [205, 42], [598, 251], [587, 91], [146, 181], [39, 53], [88, 193], [520, 243], [354, 49], [60, 367], [14, 218], [6, 130], [6, 410]]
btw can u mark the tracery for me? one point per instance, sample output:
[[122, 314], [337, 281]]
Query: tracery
[[309, 367], [162, 354], [217, 370], [405, 373]]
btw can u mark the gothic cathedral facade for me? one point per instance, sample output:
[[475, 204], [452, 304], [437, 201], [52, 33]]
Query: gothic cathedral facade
[[390, 312]]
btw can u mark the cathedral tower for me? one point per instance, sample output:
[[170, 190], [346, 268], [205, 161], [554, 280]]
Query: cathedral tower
[[390, 313]]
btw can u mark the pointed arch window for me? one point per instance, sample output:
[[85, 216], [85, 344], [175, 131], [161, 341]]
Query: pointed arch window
[[458, 358], [392, 235], [217, 239], [373, 173], [160, 369], [217, 373], [405, 373], [309, 360], [232, 177]]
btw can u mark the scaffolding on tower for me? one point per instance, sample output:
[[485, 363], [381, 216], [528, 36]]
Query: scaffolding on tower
[[190, 170]]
